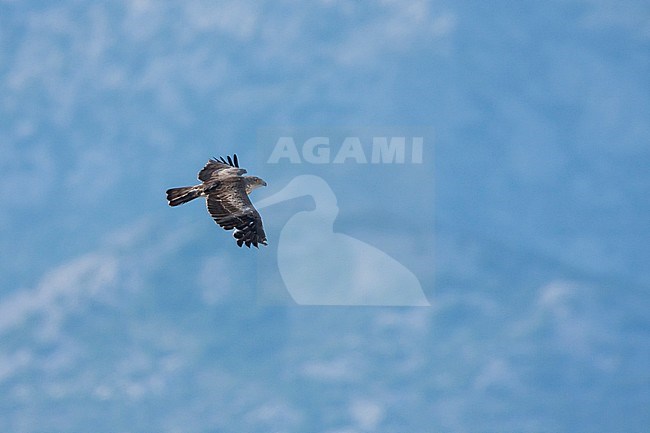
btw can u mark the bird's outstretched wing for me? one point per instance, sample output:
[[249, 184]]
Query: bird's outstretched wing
[[231, 208], [215, 165]]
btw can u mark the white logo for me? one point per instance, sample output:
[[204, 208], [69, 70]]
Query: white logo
[[322, 267], [319, 150]]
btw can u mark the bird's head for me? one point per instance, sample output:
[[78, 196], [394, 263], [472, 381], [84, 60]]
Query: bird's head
[[253, 182]]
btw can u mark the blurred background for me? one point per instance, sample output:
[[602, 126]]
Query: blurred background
[[120, 315]]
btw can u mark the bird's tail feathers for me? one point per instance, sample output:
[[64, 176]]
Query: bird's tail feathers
[[177, 196]]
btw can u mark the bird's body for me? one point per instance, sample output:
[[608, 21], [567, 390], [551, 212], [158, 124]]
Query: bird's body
[[226, 190]]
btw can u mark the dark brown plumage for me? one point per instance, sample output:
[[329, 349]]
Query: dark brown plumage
[[226, 191]]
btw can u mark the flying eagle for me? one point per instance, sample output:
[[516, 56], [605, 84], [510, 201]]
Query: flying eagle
[[226, 191]]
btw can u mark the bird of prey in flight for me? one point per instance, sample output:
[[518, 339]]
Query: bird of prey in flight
[[226, 190]]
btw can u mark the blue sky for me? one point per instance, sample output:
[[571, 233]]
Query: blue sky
[[120, 314]]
